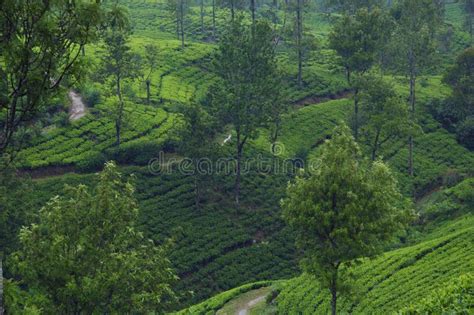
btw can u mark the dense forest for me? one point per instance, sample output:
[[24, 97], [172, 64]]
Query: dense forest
[[236, 157]]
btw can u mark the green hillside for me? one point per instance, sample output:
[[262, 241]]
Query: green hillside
[[386, 284], [230, 257]]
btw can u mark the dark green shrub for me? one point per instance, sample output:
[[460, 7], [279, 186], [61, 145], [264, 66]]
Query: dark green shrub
[[91, 161], [465, 132]]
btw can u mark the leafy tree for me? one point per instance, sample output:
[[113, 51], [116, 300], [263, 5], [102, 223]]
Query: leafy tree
[[384, 115], [461, 78], [358, 40], [346, 209], [414, 45], [197, 144], [13, 206], [118, 61], [40, 45], [302, 42], [246, 65], [469, 8], [151, 63], [85, 255], [232, 5]]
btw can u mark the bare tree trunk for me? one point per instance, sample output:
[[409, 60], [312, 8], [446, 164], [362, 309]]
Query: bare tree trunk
[[375, 145], [148, 91], [252, 8], [299, 37], [1, 287], [238, 169], [356, 114], [232, 10], [412, 110], [214, 19], [182, 22], [118, 121], [333, 289], [202, 17]]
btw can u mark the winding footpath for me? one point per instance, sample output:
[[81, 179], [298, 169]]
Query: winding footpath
[[245, 310], [78, 108]]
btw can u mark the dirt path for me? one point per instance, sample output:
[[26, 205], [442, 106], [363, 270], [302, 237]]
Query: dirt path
[[245, 303], [245, 310], [78, 108], [312, 99]]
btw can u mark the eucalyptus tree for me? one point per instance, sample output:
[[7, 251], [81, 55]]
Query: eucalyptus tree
[[246, 66], [40, 46], [358, 39], [118, 61], [414, 46], [150, 65], [178, 10]]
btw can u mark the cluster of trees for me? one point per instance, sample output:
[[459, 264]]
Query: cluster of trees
[[456, 113], [402, 40]]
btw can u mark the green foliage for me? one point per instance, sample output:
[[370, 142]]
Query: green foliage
[[358, 39], [40, 47], [85, 255], [456, 297], [395, 279], [384, 116], [344, 211]]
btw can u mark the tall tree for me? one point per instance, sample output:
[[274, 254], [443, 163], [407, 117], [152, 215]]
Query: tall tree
[[178, 10], [197, 145], [151, 63], [414, 45], [358, 39], [246, 65], [40, 45], [118, 61], [233, 6], [469, 8], [346, 210], [85, 256], [384, 116]]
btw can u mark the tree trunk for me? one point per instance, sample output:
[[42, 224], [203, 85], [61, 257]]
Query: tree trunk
[[238, 167], [148, 92], [333, 289], [83, 50], [356, 114], [214, 19], [375, 145], [202, 17], [412, 110], [118, 121], [232, 12], [252, 8], [1, 287], [182, 22], [299, 36]]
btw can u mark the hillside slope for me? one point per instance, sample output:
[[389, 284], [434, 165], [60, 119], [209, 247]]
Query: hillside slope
[[382, 285]]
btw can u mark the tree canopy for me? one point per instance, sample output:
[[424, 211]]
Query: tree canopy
[[85, 254]]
